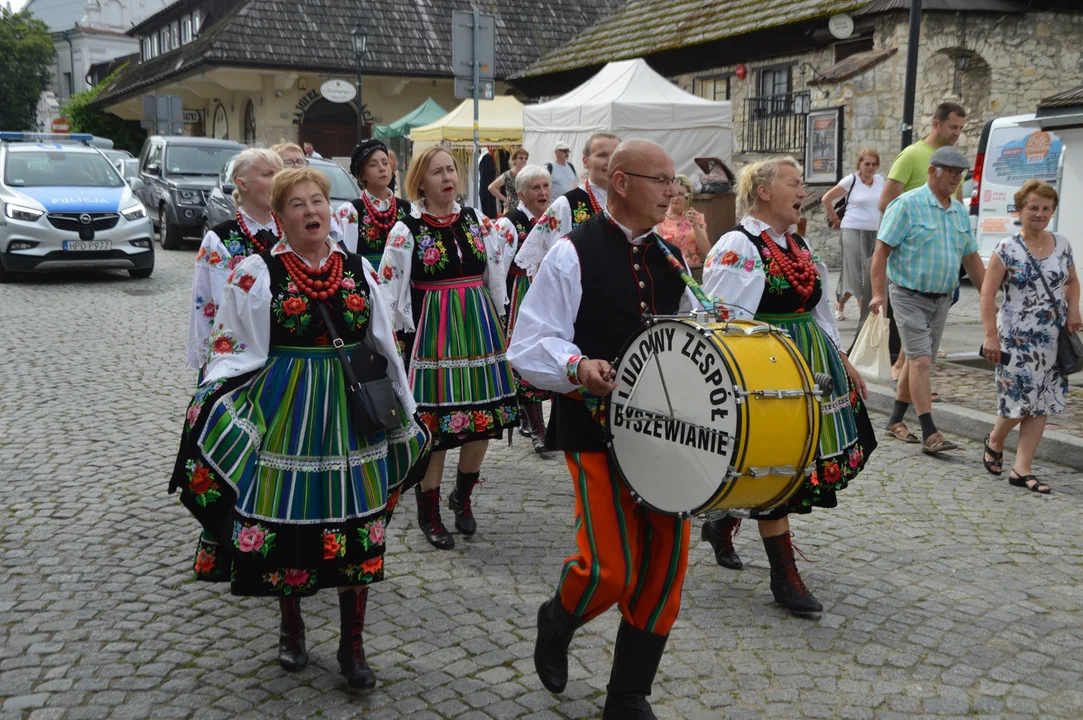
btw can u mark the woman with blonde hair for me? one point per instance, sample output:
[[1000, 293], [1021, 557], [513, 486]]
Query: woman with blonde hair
[[859, 224], [1029, 266], [684, 226], [292, 154], [251, 231], [765, 271], [294, 486], [443, 274]]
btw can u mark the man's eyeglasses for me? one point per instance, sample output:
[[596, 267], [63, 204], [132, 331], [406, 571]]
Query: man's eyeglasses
[[661, 181], [303, 162]]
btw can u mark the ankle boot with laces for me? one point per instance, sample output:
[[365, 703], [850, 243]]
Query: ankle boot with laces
[[720, 533], [786, 584], [459, 502], [352, 605], [428, 518], [532, 413], [292, 655]]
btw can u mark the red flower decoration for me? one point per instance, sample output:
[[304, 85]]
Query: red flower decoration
[[204, 562], [201, 480], [223, 345], [322, 340], [387, 272], [730, 258], [209, 309], [246, 282], [373, 565], [831, 473], [214, 258], [355, 302], [331, 546], [481, 421], [294, 305]]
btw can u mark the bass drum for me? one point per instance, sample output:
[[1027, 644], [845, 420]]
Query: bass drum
[[712, 416]]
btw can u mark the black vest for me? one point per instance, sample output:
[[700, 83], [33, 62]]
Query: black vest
[[620, 282]]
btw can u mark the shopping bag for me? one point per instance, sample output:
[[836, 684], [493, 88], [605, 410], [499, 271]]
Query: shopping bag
[[871, 356]]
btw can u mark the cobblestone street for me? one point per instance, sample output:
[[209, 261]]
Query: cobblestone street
[[947, 592]]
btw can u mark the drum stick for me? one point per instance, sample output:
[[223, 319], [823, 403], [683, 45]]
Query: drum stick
[[708, 304]]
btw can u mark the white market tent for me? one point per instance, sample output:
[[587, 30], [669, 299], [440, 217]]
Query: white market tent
[[633, 101]]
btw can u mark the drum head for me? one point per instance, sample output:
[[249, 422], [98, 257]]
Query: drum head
[[675, 462]]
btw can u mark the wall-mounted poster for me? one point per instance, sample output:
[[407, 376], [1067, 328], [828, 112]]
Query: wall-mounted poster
[[823, 146]]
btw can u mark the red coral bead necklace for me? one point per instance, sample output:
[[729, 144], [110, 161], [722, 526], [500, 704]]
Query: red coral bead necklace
[[317, 283], [382, 220], [256, 241], [796, 267], [593, 200]]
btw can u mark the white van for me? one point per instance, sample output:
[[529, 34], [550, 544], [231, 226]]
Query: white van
[[1045, 146]]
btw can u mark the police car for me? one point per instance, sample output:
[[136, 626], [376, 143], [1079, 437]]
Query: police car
[[63, 206]]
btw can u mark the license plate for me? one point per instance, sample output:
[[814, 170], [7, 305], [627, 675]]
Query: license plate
[[85, 245]]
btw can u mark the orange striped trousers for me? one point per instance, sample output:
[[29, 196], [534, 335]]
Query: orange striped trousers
[[627, 554]]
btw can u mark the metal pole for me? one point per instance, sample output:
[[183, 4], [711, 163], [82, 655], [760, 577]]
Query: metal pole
[[477, 91], [911, 74], [360, 105]]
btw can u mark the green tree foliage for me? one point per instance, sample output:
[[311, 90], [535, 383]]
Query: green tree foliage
[[83, 118], [26, 58]]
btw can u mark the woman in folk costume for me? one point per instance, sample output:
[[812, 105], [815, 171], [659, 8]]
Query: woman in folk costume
[[272, 462], [367, 220], [443, 274], [532, 185], [764, 270], [574, 207], [251, 231]]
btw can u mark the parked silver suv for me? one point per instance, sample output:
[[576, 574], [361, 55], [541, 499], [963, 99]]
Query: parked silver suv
[[63, 206]]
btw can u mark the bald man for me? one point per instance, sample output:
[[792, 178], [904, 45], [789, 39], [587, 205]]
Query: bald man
[[587, 299]]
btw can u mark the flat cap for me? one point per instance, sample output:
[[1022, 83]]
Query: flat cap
[[563, 146], [949, 157]]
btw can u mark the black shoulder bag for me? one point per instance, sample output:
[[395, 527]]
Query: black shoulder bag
[[374, 407], [1069, 346], [844, 201]]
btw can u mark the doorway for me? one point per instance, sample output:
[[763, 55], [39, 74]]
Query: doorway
[[331, 128]]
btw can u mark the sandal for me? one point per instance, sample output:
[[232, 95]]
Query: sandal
[[937, 443], [1022, 482], [996, 465], [901, 432]]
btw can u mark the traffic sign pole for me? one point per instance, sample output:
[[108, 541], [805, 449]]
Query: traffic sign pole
[[477, 92]]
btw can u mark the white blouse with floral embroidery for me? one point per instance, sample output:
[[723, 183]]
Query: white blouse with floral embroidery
[[349, 223], [217, 257], [241, 337], [740, 279], [397, 265], [556, 222]]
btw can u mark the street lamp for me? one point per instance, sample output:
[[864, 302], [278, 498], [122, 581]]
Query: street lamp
[[360, 39]]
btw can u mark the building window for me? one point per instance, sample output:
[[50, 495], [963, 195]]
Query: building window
[[249, 124], [67, 86], [197, 22], [174, 35], [712, 88], [775, 120], [775, 81], [844, 50], [154, 45], [164, 34], [186, 29], [221, 123], [146, 49]]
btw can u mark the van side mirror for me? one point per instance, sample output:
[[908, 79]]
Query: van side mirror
[[153, 169]]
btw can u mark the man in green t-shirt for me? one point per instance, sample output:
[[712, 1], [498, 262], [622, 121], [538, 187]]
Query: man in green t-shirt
[[911, 167]]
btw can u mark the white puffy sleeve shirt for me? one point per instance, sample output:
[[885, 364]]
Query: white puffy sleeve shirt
[[740, 279], [241, 338], [541, 346], [216, 259], [556, 222], [397, 264]]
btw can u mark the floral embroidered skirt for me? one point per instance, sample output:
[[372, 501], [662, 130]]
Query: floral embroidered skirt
[[290, 498], [847, 436], [459, 369], [520, 284]]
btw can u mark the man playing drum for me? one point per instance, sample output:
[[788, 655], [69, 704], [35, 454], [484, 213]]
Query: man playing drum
[[587, 300]]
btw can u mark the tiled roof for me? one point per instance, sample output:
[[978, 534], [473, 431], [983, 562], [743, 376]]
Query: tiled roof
[[998, 6], [853, 65], [407, 39], [1065, 99], [58, 14], [644, 27]]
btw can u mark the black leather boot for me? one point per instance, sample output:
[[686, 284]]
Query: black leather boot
[[556, 626], [351, 646], [720, 534], [292, 655], [459, 502], [636, 655], [428, 518], [533, 413], [525, 428], [786, 584]]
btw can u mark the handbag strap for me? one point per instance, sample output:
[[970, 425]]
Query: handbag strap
[[852, 184], [347, 368], [1048, 290]]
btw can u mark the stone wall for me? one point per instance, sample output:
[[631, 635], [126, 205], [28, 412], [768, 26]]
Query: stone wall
[[1013, 61]]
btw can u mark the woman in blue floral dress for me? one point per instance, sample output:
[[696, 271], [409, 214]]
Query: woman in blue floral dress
[[270, 464], [1029, 386]]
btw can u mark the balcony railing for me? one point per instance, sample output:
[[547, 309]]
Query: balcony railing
[[776, 123]]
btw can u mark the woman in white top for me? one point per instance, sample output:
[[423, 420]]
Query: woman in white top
[[859, 225]]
